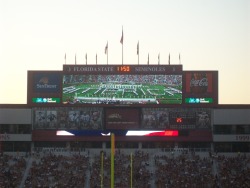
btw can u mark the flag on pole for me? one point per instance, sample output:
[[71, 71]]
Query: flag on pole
[[148, 58], [158, 58], [106, 48], [138, 48], [121, 41], [86, 58], [75, 59]]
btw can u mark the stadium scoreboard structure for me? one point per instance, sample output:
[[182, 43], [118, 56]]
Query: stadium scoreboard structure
[[118, 98], [150, 85]]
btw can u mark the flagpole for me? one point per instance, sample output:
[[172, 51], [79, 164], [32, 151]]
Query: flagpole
[[96, 59], [159, 59], [169, 59], [107, 56], [179, 58], [138, 59], [138, 53], [75, 59], [122, 54], [86, 58], [148, 58], [106, 51], [121, 41]]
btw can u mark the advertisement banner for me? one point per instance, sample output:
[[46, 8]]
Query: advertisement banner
[[122, 118], [45, 82]]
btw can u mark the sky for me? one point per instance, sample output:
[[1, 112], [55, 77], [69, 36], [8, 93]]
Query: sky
[[208, 35]]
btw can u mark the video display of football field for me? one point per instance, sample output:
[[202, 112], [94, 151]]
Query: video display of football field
[[122, 89]]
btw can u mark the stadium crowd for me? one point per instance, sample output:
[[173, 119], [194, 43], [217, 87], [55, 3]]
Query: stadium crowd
[[149, 169], [12, 170]]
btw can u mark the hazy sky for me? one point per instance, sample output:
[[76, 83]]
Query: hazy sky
[[209, 35]]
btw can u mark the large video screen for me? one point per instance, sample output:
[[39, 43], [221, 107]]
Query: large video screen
[[122, 89]]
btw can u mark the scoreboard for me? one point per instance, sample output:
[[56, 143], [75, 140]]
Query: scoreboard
[[130, 85], [96, 99], [122, 84], [122, 69]]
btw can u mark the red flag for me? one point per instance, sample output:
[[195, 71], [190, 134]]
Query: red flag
[[121, 41], [106, 48]]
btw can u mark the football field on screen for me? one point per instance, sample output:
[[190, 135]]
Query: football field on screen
[[127, 93]]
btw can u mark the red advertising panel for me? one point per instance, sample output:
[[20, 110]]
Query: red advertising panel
[[200, 87], [199, 82], [122, 118]]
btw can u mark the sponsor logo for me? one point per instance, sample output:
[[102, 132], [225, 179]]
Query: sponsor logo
[[46, 83], [200, 83], [115, 116]]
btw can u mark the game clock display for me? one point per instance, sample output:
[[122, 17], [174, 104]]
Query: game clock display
[[125, 68]]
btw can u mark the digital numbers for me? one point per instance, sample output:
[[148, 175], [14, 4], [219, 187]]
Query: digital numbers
[[123, 68]]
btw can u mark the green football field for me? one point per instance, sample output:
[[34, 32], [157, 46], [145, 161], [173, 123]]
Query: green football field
[[123, 93]]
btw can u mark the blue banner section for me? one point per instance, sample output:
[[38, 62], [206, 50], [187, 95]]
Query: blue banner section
[[46, 82]]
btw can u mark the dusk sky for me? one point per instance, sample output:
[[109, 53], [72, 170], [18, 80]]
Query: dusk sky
[[208, 35]]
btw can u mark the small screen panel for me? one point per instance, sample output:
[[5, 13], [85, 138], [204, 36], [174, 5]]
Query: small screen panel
[[122, 118], [86, 118], [200, 87], [175, 118]]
